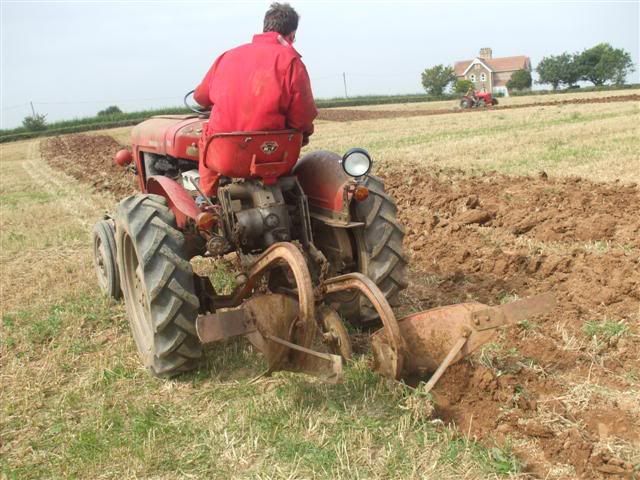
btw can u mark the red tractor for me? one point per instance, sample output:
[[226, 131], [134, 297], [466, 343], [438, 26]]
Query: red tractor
[[316, 239], [477, 100], [336, 216]]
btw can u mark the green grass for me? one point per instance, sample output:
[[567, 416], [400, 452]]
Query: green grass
[[605, 329], [96, 412], [14, 199]]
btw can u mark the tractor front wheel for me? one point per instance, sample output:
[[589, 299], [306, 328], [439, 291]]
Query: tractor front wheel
[[157, 285], [104, 258]]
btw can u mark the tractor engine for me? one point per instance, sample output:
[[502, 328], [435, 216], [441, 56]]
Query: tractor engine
[[256, 216]]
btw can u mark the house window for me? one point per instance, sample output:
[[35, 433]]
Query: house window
[[476, 66], [473, 77], [483, 77]]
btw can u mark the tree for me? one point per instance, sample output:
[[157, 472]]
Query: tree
[[112, 110], [552, 69], [436, 79], [35, 123], [603, 63], [520, 80], [570, 71], [462, 86]]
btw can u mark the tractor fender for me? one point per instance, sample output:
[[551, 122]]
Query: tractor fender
[[327, 187], [179, 200]]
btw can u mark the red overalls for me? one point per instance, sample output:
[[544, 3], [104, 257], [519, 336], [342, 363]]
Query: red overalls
[[260, 86]]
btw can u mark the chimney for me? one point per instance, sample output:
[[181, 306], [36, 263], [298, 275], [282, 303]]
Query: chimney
[[485, 53]]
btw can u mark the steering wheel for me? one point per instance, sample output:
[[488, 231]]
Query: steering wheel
[[199, 111]]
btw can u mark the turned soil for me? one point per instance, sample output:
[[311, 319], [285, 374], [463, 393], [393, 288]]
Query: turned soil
[[494, 238], [548, 386], [89, 158]]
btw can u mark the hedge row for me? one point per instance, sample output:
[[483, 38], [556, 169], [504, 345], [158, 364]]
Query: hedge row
[[605, 88], [381, 100], [84, 127]]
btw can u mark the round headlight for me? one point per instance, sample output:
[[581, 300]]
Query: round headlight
[[356, 162]]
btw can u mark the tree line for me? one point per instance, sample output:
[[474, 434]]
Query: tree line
[[599, 65]]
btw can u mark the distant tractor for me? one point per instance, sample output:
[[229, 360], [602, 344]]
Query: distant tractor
[[477, 100]]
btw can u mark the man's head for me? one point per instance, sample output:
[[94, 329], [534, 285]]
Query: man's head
[[281, 18]]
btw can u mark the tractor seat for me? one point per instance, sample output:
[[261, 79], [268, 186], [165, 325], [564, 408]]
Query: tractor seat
[[266, 155]]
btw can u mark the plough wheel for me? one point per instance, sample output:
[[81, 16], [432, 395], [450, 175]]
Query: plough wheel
[[335, 335]]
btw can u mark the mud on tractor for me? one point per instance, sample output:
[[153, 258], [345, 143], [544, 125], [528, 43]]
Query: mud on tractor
[[478, 100], [317, 243]]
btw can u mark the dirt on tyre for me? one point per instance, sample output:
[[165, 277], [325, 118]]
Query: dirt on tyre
[[104, 258], [157, 285]]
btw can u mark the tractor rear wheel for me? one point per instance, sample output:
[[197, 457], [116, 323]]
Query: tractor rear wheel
[[379, 245], [104, 258], [374, 250], [157, 285]]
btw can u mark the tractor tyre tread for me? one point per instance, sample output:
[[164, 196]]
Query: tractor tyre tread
[[382, 236], [106, 232], [168, 277]]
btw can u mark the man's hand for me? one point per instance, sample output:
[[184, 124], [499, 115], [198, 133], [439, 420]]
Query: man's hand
[[305, 139]]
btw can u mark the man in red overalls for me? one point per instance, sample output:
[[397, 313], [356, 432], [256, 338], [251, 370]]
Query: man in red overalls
[[262, 85]]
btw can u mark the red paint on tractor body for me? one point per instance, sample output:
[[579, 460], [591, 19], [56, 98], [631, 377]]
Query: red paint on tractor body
[[486, 96], [173, 135], [180, 202], [265, 155], [122, 158], [323, 180]]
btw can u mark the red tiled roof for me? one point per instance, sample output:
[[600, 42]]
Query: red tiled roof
[[460, 67], [501, 64]]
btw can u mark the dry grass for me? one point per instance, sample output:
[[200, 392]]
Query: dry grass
[[596, 141]]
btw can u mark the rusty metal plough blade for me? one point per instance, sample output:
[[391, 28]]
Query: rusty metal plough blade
[[282, 328], [438, 338], [304, 335]]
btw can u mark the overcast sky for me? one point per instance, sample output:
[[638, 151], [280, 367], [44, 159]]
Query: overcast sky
[[74, 58]]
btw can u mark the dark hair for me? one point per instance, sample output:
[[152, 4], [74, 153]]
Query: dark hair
[[281, 18]]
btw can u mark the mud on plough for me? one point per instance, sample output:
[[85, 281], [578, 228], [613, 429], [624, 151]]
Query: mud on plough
[[302, 333]]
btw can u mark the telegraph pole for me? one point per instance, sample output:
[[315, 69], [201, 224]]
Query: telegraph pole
[[33, 110], [344, 79]]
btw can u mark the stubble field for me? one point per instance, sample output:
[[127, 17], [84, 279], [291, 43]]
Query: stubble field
[[498, 205]]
